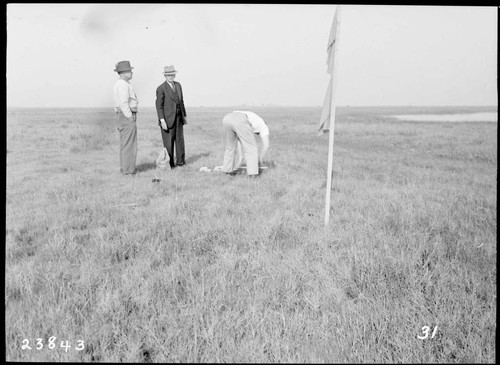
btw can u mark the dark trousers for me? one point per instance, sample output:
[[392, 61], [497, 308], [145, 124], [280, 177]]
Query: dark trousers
[[175, 135]]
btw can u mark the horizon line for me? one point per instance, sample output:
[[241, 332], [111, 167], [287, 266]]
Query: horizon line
[[266, 106]]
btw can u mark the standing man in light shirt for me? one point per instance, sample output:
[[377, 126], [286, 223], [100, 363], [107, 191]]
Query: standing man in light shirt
[[171, 116], [243, 126], [126, 101]]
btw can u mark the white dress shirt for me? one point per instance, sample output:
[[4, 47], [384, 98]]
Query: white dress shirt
[[125, 98], [257, 123]]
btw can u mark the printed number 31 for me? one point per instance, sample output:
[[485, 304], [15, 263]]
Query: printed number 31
[[425, 330]]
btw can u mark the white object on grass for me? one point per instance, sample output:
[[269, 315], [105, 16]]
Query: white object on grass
[[205, 169]]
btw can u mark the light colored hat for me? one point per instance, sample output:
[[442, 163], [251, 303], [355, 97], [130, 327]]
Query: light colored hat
[[123, 66], [169, 70]]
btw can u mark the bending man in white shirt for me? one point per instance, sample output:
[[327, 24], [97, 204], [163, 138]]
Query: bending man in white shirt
[[244, 126]]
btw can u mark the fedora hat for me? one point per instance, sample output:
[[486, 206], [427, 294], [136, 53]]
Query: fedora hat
[[123, 66], [169, 70]]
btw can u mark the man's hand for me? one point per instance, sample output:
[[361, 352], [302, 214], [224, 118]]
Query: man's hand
[[163, 124]]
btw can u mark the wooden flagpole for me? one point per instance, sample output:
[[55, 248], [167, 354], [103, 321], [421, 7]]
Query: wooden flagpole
[[332, 122]]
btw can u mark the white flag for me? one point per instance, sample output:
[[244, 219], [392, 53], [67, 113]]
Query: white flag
[[328, 109], [330, 49]]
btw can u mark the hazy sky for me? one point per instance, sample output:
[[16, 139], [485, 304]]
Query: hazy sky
[[63, 55]]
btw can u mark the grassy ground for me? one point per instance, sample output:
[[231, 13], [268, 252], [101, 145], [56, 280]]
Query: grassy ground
[[205, 267]]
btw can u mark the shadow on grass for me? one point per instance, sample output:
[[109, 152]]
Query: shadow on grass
[[196, 157], [145, 166], [262, 168]]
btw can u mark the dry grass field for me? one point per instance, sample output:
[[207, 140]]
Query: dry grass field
[[206, 267]]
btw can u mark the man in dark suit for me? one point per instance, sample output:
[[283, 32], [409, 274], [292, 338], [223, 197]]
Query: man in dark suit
[[171, 116]]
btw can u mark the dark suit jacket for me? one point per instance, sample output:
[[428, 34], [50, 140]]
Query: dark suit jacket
[[167, 101]]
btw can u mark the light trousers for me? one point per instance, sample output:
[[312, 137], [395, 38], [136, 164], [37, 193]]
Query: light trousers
[[128, 143], [237, 128]]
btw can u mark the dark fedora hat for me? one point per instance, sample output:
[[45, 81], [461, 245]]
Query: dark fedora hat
[[123, 66]]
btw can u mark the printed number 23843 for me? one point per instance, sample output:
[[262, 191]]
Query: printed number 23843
[[52, 344]]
